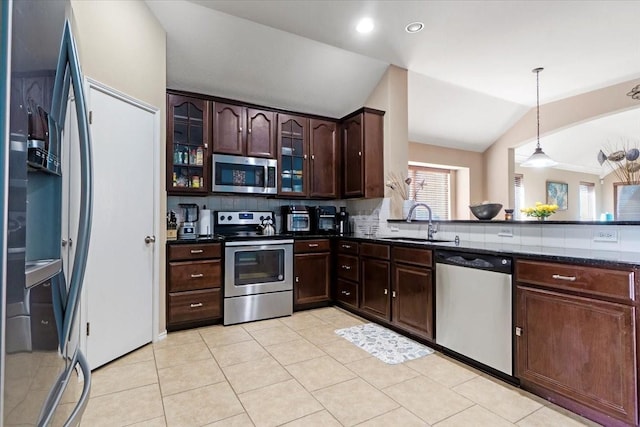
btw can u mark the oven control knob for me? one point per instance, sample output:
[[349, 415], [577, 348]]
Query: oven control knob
[[261, 218], [229, 217], [221, 217]]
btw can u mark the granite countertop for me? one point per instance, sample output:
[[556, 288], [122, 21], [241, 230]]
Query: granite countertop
[[577, 256], [591, 257]]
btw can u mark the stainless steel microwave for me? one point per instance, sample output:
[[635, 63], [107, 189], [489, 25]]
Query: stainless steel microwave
[[238, 174]]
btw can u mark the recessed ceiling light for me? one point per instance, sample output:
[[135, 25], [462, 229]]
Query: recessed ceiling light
[[365, 25], [414, 27]]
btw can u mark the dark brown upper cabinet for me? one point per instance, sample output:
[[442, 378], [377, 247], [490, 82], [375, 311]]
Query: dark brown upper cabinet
[[243, 131], [188, 127], [323, 147], [363, 154]]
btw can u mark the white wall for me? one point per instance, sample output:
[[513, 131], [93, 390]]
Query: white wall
[[121, 44]]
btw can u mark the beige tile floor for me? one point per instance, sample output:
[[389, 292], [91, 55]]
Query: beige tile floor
[[296, 371]]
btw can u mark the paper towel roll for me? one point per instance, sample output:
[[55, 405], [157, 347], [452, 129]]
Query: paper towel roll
[[205, 224]]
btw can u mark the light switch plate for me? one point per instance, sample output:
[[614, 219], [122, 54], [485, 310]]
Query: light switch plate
[[394, 228], [605, 235]]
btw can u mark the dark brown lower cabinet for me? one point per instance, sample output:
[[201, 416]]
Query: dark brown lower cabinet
[[579, 352], [413, 299], [312, 274], [375, 275]]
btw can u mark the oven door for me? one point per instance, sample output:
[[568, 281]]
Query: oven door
[[258, 267]]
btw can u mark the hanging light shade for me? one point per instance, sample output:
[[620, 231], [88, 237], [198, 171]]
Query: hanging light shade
[[538, 159]]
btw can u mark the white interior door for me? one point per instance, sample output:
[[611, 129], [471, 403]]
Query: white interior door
[[119, 278]]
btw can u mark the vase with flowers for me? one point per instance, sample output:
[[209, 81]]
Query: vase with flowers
[[402, 187], [540, 211], [626, 166]]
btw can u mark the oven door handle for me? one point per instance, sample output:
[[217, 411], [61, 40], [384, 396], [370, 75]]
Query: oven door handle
[[249, 243]]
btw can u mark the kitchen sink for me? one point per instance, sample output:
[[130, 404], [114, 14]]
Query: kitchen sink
[[415, 239]]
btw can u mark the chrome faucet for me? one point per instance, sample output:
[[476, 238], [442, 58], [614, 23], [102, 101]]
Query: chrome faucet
[[431, 230]]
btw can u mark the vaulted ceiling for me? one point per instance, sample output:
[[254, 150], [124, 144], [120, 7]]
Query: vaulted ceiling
[[469, 69]]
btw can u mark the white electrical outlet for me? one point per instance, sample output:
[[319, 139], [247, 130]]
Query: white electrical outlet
[[605, 235], [505, 232]]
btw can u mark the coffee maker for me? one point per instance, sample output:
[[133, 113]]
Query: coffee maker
[[190, 216], [324, 220]]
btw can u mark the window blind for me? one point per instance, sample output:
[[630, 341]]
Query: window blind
[[436, 191], [518, 185], [587, 201]]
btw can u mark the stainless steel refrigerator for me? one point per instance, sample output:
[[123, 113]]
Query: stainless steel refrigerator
[[44, 377]]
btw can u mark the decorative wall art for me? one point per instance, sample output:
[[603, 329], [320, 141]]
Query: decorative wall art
[[558, 194]]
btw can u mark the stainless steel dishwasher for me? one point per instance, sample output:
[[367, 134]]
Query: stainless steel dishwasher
[[474, 315]]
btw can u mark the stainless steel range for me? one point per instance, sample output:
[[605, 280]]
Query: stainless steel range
[[258, 275]]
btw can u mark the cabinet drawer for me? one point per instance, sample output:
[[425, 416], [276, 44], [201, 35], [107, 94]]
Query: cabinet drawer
[[347, 292], [348, 247], [41, 293], [196, 251], [348, 267], [374, 250], [194, 306], [44, 335], [412, 256], [189, 276], [602, 282], [304, 246]]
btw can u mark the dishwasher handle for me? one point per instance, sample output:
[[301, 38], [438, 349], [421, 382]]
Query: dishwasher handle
[[475, 260]]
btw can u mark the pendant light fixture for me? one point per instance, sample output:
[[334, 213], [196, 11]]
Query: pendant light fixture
[[538, 159]]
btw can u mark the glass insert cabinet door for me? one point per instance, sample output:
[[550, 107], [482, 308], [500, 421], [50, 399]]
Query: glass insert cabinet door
[[293, 145], [187, 149]]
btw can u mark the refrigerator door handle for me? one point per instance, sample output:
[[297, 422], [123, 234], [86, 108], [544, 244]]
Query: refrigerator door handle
[[76, 414], [68, 71]]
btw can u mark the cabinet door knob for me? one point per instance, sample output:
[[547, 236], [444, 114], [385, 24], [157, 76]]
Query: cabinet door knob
[[393, 294], [196, 305], [518, 331], [44, 322], [249, 130], [313, 157], [305, 157], [150, 239], [240, 129], [297, 279], [197, 276], [360, 153], [386, 291], [347, 293], [64, 242]]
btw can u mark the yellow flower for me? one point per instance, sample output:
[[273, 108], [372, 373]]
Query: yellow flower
[[540, 210]]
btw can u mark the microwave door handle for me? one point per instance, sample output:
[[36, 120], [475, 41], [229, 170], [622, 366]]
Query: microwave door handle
[[265, 177]]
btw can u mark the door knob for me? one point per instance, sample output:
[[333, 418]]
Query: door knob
[[150, 239], [64, 242]]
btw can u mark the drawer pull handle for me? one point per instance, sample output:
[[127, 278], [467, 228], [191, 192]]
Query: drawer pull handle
[[567, 278], [346, 267], [347, 293], [197, 276], [346, 246], [196, 305], [313, 245], [44, 322], [196, 251]]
